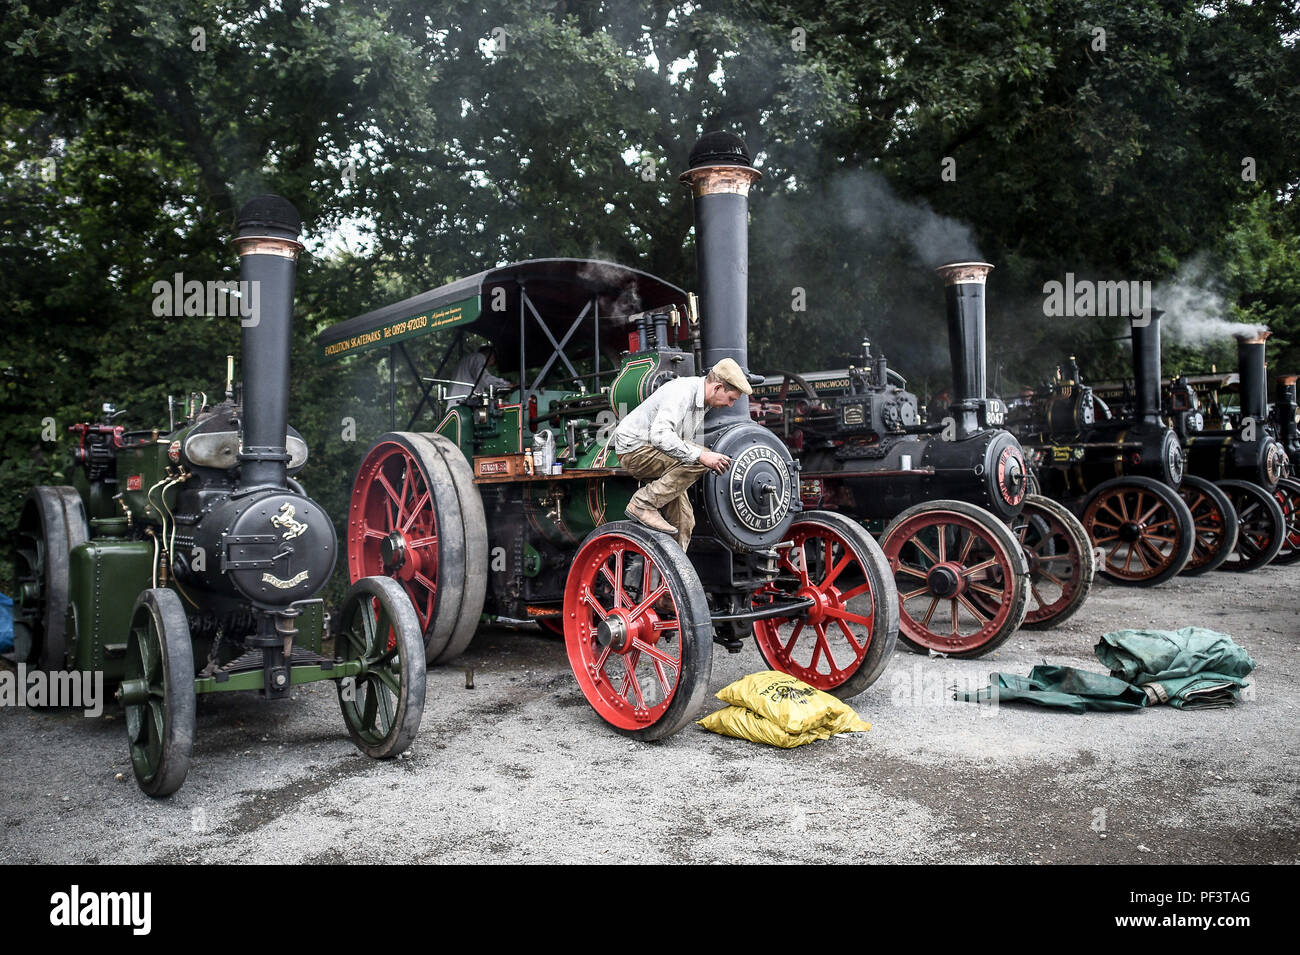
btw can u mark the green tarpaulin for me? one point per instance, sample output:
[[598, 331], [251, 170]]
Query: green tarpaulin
[[1191, 668]]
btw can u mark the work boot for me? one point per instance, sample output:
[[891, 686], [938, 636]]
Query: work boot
[[650, 517]]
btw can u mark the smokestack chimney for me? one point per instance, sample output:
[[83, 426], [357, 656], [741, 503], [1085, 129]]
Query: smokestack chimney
[[1146, 367], [268, 247], [964, 291], [1252, 374], [719, 177]]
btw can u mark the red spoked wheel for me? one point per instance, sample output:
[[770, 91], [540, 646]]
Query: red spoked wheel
[[637, 630], [1288, 496], [843, 643], [1215, 522], [1142, 528], [1061, 564], [414, 516], [962, 578]]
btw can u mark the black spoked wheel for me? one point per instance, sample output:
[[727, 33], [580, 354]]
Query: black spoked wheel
[[1261, 526], [158, 692], [1288, 496], [1215, 521], [1061, 563], [52, 523], [383, 704]]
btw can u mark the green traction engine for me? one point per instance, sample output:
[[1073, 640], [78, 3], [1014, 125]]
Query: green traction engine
[[187, 562], [508, 501]]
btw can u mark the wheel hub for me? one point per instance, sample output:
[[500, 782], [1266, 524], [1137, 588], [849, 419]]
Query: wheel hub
[[398, 557], [613, 632], [1130, 532], [944, 580]]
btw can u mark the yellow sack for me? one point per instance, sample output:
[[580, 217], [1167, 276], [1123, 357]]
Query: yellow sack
[[791, 704], [741, 723]]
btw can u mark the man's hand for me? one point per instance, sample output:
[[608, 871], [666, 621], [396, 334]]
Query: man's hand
[[715, 462]]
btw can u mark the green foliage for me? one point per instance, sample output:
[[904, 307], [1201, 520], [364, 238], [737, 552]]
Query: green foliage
[[423, 141]]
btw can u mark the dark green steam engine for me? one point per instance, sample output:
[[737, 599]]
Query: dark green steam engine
[[187, 562]]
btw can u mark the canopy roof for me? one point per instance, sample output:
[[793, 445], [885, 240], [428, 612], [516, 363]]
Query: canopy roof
[[509, 304]]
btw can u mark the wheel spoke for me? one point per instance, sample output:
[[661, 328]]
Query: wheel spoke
[[967, 572], [839, 613], [979, 617], [916, 542], [655, 653], [798, 629], [849, 636], [591, 602], [829, 580], [930, 613]]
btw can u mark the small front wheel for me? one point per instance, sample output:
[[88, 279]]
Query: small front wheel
[[843, 642], [383, 704], [637, 630], [157, 692]]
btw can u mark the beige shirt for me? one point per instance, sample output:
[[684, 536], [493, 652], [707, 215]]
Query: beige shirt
[[670, 420]]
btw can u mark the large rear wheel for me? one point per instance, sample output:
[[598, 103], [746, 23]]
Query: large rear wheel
[[843, 643], [1261, 526], [52, 523], [1215, 522], [1142, 528], [415, 516], [961, 576], [1061, 562], [637, 630]]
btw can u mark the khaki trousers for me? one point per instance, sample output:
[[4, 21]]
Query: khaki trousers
[[666, 492]]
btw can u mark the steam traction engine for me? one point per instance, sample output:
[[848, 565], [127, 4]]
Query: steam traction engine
[[1243, 458], [1286, 421], [467, 520], [1121, 474], [225, 551], [948, 488]]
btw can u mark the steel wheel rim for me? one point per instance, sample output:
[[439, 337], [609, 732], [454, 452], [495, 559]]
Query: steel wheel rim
[[367, 634], [1288, 499], [392, 502], [146, 721], [835, 578], [631, 681], [1254, 529], [946, 539], [1139, 512], [1208, 522], [1054, 566]]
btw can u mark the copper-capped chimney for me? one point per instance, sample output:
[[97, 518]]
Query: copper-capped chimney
[[720, 177], [1252, 373], [268, 247], [1146, 367], [964, 292]]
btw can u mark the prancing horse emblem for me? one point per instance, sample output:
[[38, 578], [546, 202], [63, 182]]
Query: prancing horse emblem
[[285, 519]]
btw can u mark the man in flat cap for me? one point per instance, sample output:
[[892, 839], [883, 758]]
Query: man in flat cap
[[656, 442]]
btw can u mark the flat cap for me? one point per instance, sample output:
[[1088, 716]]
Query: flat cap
[[730, 373]]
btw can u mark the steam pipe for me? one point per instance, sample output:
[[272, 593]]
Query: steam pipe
[[964, 294], [720, 175], [268, 247], [1146, 367], [1252, 374]]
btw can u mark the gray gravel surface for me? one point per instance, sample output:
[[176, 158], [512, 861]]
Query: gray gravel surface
[[520, 769]]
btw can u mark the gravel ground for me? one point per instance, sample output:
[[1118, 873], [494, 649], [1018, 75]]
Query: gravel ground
[[520, 769]]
